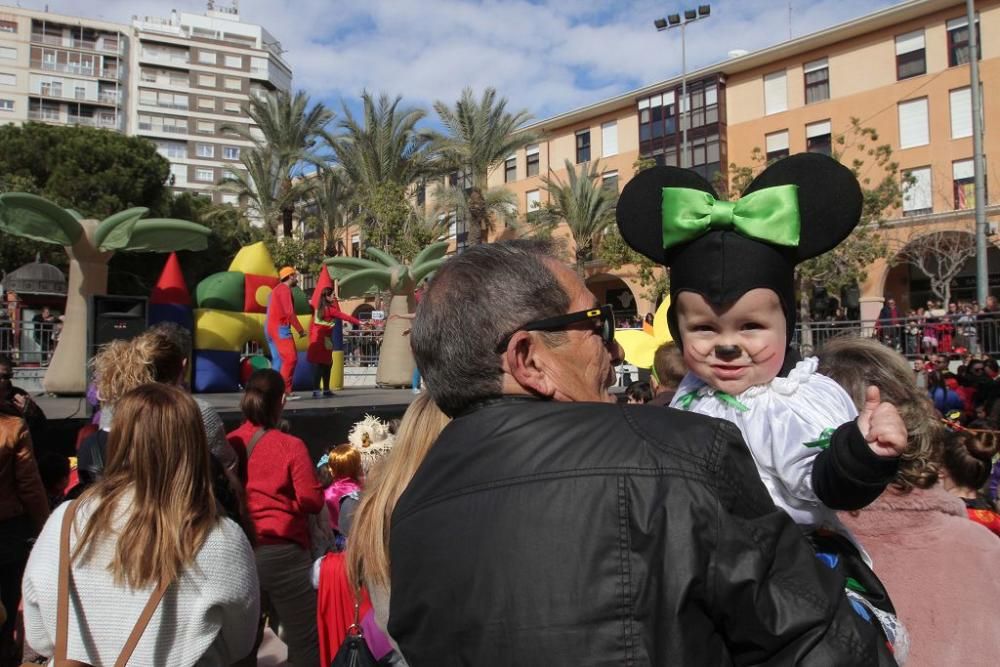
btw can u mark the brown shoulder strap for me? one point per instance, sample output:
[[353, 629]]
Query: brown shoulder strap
[[62, 600], [258, 434], [62, 594]]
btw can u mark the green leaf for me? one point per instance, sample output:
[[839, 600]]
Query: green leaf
[[37, 218], [76, 214], [425, 269], [432, 252], [114, 231], [167, 235], [385, 258], [361, 282], [352, 263]]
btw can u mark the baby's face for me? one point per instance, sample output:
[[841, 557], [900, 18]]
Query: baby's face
[[734, 347]]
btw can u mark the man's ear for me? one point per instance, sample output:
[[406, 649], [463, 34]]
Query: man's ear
[[524, 362]]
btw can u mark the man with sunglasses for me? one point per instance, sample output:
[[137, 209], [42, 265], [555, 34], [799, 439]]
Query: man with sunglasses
[[548, 525]]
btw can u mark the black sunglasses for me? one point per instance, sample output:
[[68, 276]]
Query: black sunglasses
[[605, 314]]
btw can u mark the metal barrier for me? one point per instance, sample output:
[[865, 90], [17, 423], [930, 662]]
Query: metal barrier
[[361, 347], [28, 343], [912, 336]]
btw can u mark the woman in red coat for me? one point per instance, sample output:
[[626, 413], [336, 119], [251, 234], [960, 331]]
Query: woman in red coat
[[320, 352]]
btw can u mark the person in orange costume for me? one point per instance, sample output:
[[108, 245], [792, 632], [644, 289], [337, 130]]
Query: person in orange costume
[[280, 320]]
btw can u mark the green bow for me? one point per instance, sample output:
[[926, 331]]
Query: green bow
[[770, 215], [685, 401]]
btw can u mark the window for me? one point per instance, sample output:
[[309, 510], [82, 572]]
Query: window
[[232, 84], [817, 75], [178, 174], [775, 93], [206, 127], [234, 61], [532, 202], [913, 130], [205, 150], [961, 113], [583, 146], [171, 149], [204, 174], [356, 245], [230, 198], [206, 80], [258, 65], [510, 169], [818, 139], [910, 55], [9, 79], [6, 105], [231, 107], [207, 57], [50, 88], [8, 53], [776, 145], [609, 181], [206, 104], [964, 184], [917, 193], [532, 153], [958, 42], [230, 153], [609, 138], [8, 25]]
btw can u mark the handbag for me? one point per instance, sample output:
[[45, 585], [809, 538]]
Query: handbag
[[354, 652], [62, 604]]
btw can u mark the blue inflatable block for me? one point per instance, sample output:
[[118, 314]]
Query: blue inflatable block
[[303, 378], [216, 371], [181, 315]]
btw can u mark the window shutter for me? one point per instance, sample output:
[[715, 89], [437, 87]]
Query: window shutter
[[962, 169], [775, 92], [817, 129], [918, 194], [777, 141], [961, 113], [910, 42], [913, 123], [609, 139], [814, 65]]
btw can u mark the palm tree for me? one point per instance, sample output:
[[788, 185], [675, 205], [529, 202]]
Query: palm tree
[[330, 212], [359, 276], [500, 205], [90, 245], [481, 135], [288, 131], [587, 208], [262, 189]]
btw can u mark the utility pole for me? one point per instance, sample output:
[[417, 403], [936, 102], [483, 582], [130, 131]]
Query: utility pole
[[978, 164]]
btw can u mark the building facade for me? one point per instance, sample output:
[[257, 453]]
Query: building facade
[[182, 82], [902, 71]]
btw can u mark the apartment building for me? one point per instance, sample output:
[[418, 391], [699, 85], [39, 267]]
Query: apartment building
[[903, 71], [61, 69], [193, 75], [181, 81]]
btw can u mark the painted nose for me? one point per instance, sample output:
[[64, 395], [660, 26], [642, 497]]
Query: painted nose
[[728, 352]]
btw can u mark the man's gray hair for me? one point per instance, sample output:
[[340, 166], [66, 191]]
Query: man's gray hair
[[476, 299]]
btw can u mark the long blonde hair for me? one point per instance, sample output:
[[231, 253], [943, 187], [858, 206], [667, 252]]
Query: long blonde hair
[[158, 475], [857, 363], [368, 545]]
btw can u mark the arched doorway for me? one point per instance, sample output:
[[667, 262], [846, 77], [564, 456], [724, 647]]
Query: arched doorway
[[612, 289], [363, 312]]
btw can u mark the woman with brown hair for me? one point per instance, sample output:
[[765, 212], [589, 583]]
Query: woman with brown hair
[[936, 564], [966, 462], [150, 522], [281, 491]]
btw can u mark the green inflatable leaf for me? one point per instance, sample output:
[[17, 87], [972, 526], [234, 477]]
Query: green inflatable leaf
[[36, 218], [300, 302], [385, 258], [167, 235], [360, 282], [76, 214], [425, 269], [115, 230], [430, 253]]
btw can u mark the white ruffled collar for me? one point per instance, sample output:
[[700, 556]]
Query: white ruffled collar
[[788, 385]]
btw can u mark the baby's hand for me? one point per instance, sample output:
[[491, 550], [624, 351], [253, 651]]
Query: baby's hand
[[881, 425]]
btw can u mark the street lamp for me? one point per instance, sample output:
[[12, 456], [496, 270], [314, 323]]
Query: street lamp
[[674, 21]]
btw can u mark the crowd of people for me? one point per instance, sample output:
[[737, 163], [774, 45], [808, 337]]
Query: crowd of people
[[959, 327], [520, 512]]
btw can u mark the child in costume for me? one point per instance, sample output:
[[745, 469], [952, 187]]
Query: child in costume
[[732, 313]]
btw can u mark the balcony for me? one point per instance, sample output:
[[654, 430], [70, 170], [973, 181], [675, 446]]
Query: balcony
[[173, 129], [94, 121], [109, 98], [112, 73], [47, 115], [100, 46]]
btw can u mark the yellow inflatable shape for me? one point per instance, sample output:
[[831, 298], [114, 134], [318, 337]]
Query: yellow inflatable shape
[[262, 294], [254, 260], [639, 346], [226, 331], [302, 342]]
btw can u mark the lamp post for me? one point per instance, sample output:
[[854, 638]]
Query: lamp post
[[675, 21], [978, 164]]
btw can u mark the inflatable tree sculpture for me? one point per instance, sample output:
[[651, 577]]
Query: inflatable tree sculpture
[[90, 245], [359, 276]]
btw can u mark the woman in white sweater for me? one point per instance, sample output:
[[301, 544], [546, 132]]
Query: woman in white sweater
[[152, 518]]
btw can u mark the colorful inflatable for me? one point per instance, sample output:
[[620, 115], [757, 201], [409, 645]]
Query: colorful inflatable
[[229, 311]]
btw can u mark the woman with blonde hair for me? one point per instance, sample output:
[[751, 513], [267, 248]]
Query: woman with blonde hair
[[936, 564], [367, 557], [149, 526]]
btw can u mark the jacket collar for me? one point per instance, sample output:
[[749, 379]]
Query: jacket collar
[[496, 400]]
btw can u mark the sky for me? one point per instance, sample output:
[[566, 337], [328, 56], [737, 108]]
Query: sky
[[546, 56]]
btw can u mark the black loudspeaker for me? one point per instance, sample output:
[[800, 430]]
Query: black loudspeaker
[[852, 297], [115, 318]]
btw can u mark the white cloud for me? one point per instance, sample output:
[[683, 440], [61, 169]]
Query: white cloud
[[548, 56]]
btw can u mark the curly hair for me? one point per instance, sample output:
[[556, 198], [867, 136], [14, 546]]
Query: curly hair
[[857, 363], [156, 355]]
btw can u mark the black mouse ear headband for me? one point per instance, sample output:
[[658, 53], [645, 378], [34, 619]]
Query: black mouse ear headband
[[797, 208]]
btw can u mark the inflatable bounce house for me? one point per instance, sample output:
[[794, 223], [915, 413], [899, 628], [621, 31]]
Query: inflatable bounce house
[[230, 309], [640, 345]]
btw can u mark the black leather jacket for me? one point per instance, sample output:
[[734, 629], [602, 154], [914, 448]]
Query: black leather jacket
[[542, 533]]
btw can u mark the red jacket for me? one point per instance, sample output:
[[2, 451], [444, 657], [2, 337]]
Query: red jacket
[[281, 309], [282, 488]]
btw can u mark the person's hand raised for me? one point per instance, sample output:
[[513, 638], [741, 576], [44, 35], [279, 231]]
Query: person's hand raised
[[881, 425]]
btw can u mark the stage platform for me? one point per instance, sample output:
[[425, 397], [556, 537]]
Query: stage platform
[[320, 422]]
